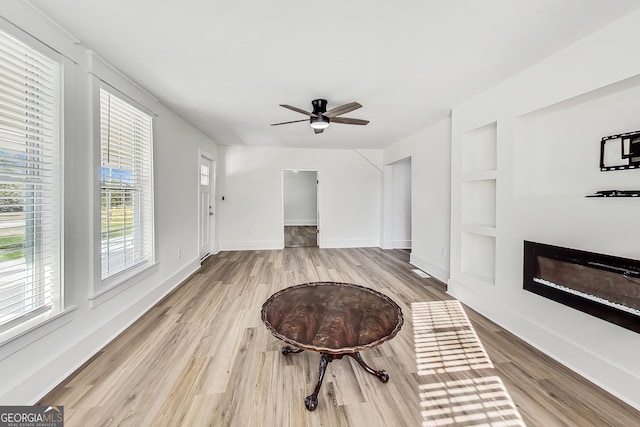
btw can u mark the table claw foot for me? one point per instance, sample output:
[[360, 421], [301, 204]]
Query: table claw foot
[[382, 375], [288, 349], [311, 402]]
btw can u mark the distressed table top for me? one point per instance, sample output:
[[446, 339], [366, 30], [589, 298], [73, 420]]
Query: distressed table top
[[332, 317]]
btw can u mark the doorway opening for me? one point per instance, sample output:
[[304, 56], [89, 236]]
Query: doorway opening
[[300, 195], [397, 228]]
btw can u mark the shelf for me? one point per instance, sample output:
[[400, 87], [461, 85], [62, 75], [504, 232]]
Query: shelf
[[615, 193], [482, 230], [476, 280], [480, 176]]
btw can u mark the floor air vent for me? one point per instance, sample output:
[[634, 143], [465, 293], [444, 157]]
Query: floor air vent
[[421, 273]]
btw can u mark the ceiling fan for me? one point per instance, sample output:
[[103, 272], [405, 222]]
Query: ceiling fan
[[320, 118]]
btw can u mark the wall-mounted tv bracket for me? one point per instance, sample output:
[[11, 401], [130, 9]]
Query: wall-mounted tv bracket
[[618, 152]]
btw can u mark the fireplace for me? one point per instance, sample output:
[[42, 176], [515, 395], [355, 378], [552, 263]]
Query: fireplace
[[601, 285]]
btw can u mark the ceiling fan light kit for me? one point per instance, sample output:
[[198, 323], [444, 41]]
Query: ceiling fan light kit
[[320, 122], [320, 118]]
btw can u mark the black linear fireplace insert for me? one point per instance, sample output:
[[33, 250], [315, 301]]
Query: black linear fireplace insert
[[601, 285]]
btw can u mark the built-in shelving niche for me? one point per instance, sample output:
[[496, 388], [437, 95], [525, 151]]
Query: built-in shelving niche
[[479, 150], [478, 203], [479, 257]]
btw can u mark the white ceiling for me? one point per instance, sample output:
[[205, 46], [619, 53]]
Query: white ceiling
[[226, 65]]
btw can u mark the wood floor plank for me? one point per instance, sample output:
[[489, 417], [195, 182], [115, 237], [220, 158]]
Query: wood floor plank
[[202, 357], [341, 374], [300, 236]]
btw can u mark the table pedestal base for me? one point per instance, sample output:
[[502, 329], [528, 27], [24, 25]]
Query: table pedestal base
[[311, 401]]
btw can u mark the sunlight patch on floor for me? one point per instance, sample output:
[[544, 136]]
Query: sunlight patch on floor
[[444, 339], [460, 387], [476, 401]]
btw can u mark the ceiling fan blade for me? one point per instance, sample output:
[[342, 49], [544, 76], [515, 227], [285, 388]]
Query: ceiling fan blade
[[318, 130], [298, 110], [342, 109], [286, 123], [349, 121]]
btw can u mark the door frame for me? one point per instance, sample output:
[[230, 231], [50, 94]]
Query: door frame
[[318, 216], [388, 216], [213, 247]]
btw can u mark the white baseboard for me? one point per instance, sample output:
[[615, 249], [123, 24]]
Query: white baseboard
[[55, 368], [346, 243], [424, 265], [396, 244], [614, 379], [402, 244], [252, 246], [300, 222]]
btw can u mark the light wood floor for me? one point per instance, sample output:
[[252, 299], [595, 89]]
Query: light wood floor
[[202, 357], [300, 236]]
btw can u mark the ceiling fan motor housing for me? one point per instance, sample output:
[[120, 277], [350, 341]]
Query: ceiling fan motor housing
[[319, 106]]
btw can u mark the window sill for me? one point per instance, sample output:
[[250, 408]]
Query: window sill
[[112, 286], [31, 331]]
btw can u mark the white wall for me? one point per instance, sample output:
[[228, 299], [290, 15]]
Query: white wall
[[549, 121], [300, 198], [252, 210], [35, 362], [429, 151]]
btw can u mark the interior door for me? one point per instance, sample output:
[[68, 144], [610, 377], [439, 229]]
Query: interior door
[[206, 208]]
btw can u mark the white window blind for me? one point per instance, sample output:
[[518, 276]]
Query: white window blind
[[126, 185], [30, 186]]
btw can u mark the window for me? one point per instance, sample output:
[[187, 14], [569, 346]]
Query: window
[[204, 175], [30, 183], [126, 217]]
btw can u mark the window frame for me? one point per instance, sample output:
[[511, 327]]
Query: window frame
[[21, 329], [103, 76], [126, 179]]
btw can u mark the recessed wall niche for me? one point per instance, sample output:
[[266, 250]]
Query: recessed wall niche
[[478, 196], [557, 148], [479, 259], [479, 149], [479, 202]]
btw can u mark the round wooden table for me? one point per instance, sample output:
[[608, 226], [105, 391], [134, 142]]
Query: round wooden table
[[333, 319]]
